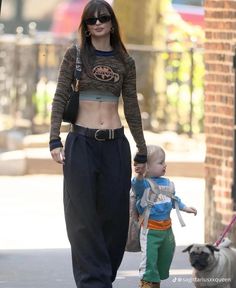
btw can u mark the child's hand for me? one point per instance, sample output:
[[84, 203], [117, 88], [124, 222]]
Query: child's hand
[[190, 210], [140, 168]]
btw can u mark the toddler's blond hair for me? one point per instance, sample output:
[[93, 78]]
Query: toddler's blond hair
[[153, 152]]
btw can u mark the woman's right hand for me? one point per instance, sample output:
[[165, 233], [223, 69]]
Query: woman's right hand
[[140, 168], [58, 155]]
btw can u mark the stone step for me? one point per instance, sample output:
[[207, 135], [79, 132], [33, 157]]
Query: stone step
[[184, 156], [39, 161]]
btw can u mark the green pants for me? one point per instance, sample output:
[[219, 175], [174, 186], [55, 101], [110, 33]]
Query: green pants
[[158, 248]]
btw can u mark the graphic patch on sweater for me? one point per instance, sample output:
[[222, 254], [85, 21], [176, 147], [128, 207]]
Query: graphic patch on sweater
[[105, 73]]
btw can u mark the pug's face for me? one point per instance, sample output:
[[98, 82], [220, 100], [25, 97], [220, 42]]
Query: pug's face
[[201, 255]]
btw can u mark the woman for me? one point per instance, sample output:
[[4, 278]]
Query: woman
[[97, 166]]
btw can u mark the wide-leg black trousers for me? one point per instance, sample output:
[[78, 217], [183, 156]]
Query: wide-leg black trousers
[[97, 177]]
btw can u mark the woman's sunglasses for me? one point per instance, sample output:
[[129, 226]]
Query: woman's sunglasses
[[102, 19]]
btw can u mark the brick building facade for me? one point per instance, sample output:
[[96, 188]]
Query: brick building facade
[[220, 44]]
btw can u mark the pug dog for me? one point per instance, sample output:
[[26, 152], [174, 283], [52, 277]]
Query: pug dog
[[213, 267]]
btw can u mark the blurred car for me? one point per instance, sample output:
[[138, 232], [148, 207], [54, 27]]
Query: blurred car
[[190, 11]]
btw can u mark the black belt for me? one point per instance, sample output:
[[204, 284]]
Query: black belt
[[99, 134]]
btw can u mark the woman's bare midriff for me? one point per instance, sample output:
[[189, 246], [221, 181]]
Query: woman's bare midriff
[[100, 115]]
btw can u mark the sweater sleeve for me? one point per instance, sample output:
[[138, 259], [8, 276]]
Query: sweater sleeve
[[65, 79], [181, 204], [139, 186], [132, 111]]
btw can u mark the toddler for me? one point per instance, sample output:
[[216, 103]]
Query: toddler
[[156, 239]]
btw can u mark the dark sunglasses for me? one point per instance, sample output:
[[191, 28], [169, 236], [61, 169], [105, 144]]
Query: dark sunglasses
[[102, 19]]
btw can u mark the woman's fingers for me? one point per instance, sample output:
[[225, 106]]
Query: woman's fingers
[[63, 154], [140, 168], [58, 155]]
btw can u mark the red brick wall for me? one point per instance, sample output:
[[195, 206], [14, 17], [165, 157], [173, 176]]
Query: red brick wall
[[220, 43]]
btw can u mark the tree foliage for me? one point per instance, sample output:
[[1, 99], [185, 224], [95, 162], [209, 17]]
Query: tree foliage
[[170, 73], [139, 19]]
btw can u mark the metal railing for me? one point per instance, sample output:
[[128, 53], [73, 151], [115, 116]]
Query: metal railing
[[169, 83]]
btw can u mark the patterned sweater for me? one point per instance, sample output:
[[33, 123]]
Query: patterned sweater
[[108, 74]]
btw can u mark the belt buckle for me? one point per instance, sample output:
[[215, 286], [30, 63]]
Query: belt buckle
[[96, 136]]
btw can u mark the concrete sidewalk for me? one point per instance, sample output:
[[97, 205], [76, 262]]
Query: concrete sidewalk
[[51, 268], [31, 212], [34, 250]]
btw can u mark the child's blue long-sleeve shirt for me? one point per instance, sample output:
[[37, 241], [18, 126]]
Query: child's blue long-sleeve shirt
[[163, 206]]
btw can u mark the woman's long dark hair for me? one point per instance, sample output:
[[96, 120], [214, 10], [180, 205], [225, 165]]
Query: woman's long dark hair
[[87, 49]]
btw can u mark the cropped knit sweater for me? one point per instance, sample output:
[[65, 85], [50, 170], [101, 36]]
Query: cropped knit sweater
[[108, 75]]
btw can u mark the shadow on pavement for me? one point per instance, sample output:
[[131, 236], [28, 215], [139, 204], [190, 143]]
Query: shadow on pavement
[[51, 268]]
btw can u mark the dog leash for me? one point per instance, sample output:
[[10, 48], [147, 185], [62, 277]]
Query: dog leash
[[227, 229]]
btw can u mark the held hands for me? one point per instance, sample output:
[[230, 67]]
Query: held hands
[[190, 210], [58, 155], [140, 169]]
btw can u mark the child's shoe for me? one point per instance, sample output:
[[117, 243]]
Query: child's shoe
[[145, 284], [156, 285]]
